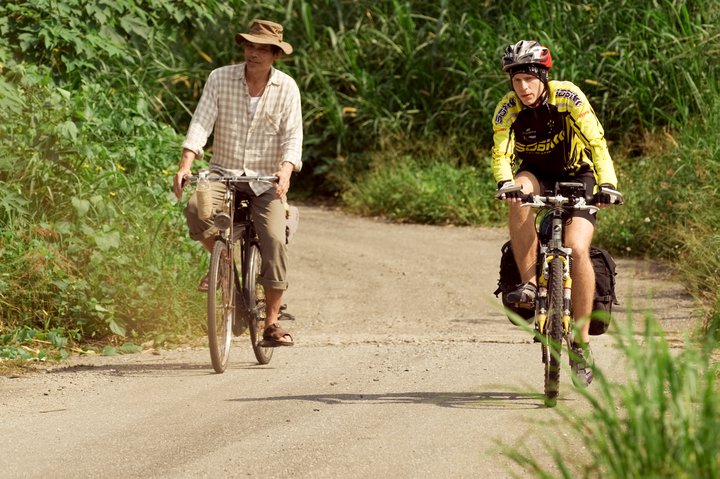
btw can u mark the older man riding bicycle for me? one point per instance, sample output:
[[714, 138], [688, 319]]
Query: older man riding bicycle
[[254, 112]]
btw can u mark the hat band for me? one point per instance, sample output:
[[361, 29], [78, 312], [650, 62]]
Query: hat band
[[534, 70]]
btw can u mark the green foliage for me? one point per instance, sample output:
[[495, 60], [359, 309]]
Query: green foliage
[[422, 192], [673, 207], [31, 344], [397, 100], [76, 37], [370, 71], [89, 238], [662, 421]]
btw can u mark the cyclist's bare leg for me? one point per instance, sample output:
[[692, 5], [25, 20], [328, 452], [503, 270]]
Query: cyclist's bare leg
[[578, 236], [522, 229]]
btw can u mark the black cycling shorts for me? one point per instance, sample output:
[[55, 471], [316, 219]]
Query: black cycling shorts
[[547, 186]]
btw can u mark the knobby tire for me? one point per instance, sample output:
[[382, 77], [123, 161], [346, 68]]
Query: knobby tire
[[554, 331]]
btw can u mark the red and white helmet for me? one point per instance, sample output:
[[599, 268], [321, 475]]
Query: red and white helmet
[[524, 54]]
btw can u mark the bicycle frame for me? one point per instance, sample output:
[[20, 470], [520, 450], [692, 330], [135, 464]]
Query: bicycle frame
[[553, 248], [553, 302], [228, 314], [569, 196]]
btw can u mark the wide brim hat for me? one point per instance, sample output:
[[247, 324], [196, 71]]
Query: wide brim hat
[[265, 32]]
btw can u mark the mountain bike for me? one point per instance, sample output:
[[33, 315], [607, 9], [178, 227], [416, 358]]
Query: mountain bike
[[236, 300], [554, 323]]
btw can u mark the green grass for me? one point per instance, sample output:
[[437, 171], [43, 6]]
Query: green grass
[[661, 421], [435, 193], [672, 211]]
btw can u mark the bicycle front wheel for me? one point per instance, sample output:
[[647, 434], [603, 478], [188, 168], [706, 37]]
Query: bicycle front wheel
[[255, 301], [220, 306], [554, 332]]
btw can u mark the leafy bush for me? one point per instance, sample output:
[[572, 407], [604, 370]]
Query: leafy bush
[[90, 241]]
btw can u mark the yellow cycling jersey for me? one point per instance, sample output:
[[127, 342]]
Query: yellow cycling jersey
[[560, 138]]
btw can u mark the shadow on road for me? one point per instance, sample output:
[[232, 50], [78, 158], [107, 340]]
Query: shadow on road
[[144, 369], [467, 400]]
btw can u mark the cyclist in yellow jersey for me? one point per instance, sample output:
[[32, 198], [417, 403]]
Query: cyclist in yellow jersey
[[546, 131]]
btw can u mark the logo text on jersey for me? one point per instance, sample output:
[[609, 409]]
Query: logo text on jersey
[[541, 146], [504, 110], [570, 95]]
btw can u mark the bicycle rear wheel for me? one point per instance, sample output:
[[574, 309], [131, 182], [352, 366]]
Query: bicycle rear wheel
[[255, 301], [220, 306], [554, 332]]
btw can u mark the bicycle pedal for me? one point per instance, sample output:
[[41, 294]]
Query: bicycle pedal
[[530, 305]]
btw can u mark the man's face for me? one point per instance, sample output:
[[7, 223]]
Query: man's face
[[259, 56], [527, 87]]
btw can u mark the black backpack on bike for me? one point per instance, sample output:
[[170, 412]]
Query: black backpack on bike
[[604, 266], [509, 280]]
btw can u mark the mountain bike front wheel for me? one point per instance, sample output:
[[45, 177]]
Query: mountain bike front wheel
[[554, 332], [220, 306], [255, 302]]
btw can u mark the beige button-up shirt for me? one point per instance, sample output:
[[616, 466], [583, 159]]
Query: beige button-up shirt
[[246, 143]]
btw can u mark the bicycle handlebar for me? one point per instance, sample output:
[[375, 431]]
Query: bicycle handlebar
[[233, 179], [578, 203]]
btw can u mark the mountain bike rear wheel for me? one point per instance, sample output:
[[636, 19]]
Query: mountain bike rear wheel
[[221, 305], [255, 301], [554, 332]]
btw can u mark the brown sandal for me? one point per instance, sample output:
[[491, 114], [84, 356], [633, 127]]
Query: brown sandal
[[273, 337]]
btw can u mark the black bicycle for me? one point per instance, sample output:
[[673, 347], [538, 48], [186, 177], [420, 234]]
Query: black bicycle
[[554, 323], [236, 300]]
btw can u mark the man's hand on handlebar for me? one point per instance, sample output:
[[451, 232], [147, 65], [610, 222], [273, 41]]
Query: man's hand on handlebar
[[607, 195], [509, 191]]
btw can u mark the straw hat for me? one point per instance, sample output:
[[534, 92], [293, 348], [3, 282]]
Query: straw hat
[[265, 32]]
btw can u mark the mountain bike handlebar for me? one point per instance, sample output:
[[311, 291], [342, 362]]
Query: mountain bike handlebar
[[575, 200]]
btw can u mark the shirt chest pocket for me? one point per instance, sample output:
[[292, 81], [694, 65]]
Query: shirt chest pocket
[[271, 124]]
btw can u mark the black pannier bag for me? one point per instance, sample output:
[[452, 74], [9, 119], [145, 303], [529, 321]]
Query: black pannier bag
[[604, 266], [509, 280], [605, 273]]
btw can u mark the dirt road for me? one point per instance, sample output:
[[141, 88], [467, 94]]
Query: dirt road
[[404, 367]]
